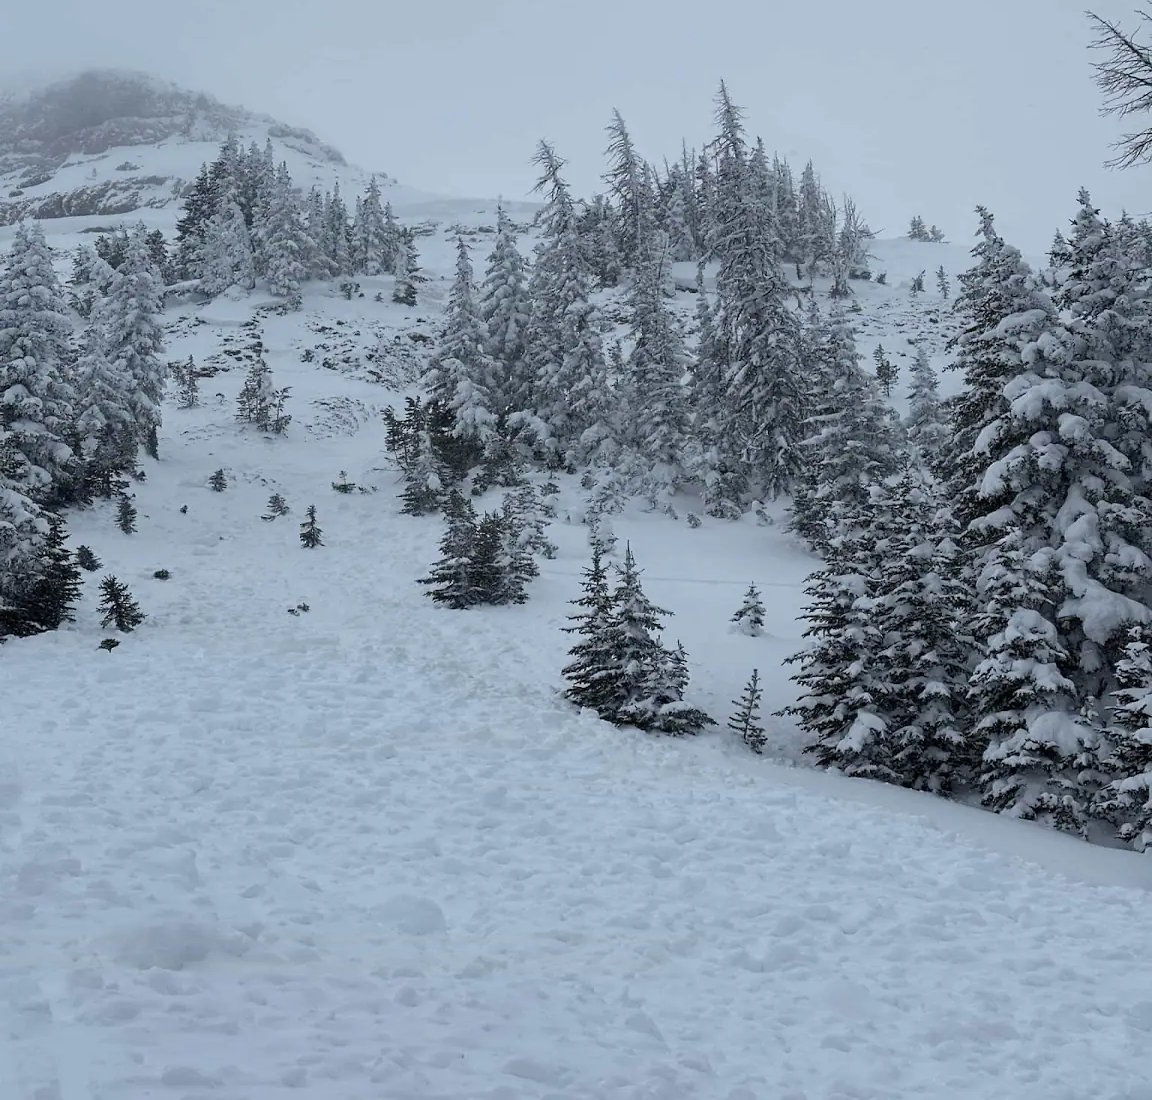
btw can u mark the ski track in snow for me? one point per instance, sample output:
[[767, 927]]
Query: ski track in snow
[[365, 853]]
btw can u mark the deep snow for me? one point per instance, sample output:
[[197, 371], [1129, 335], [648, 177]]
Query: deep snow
[[366, 852]]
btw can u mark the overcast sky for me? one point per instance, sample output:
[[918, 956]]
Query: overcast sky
[[925, 106]]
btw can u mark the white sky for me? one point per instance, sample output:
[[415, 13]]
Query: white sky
[[925, 106]]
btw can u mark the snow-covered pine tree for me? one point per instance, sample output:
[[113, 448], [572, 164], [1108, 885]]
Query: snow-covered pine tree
[[628, 185], [224, 258], [105, 427], [587, 684], [1126, 801], [37, 391], [886, 372], [54, 586], [126, 515], [117, 606], [257, 396], [841, 705], [337, 244], [91, 277], [189, 382], [851, 439], [407, 270], [284, 239], [942, 283], [758, 335], [926, 423], [503, 308], [568, 411], [372, 244], [452, 578], [749, 617], [746, 721], [1026, 705], [133, 338], [460, 373], [310, 534], [656, 400]]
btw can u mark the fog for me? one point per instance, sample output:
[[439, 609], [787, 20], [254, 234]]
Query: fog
[[914, 107]]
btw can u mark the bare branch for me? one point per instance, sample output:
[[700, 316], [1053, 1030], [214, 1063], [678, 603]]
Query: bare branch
[[1125, 78]]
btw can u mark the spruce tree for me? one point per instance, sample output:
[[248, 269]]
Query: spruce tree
[[105, 427], [225, 258], [117, 606], [460, 374], [126, 515], [134, 340], [218, 482], [942, 283], [55, 586], [189, 385], [588, 685], [284, 243], [407, 270], [503, 309], [926, 422], [628, 185], [277, 506], [86, 559], [310, 533], [746, 720], [749, 617], [452, 578], [37, 385], [370, 234], [885, 370], [1126, 801]]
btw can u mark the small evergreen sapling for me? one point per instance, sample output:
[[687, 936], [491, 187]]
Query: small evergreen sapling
[[917, 285], [189, 384], [218, 482], [344, 485], [942, 283], [126, 516], [310, 533], [277, 506], [118, 607], [749, 619], [885, 370], [746, 720], [86, 559]]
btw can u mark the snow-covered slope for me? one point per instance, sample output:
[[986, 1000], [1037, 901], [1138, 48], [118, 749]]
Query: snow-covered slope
[[110, 143], [365, 851]]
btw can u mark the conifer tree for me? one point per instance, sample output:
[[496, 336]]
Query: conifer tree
[[370, 233], [628, 184], [189, 382], [257, 397], [55, 586], [503, 308], [746, 720], [87, 560], [656, 399], [218, 482], [199, 207], [460, 374], [284, 241], [117, 606], [310, 534], [1126, 801], [763, 411], [133, 338], [224, 258], [749, 617], [407, 270], [925, 423], [126, 515], [588, 686], [277, 506], [337, 245], [452, 578], [885, 371], [24, 530], [942, 283], [37, 391], [105, 427]]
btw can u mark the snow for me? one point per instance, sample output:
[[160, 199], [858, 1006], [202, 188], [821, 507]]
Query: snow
[[366, 851]]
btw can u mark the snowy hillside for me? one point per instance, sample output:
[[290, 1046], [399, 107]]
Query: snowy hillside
[[305, 834], [108, 144]]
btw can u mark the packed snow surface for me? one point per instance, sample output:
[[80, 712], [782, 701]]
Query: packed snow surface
[[365, 852]]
